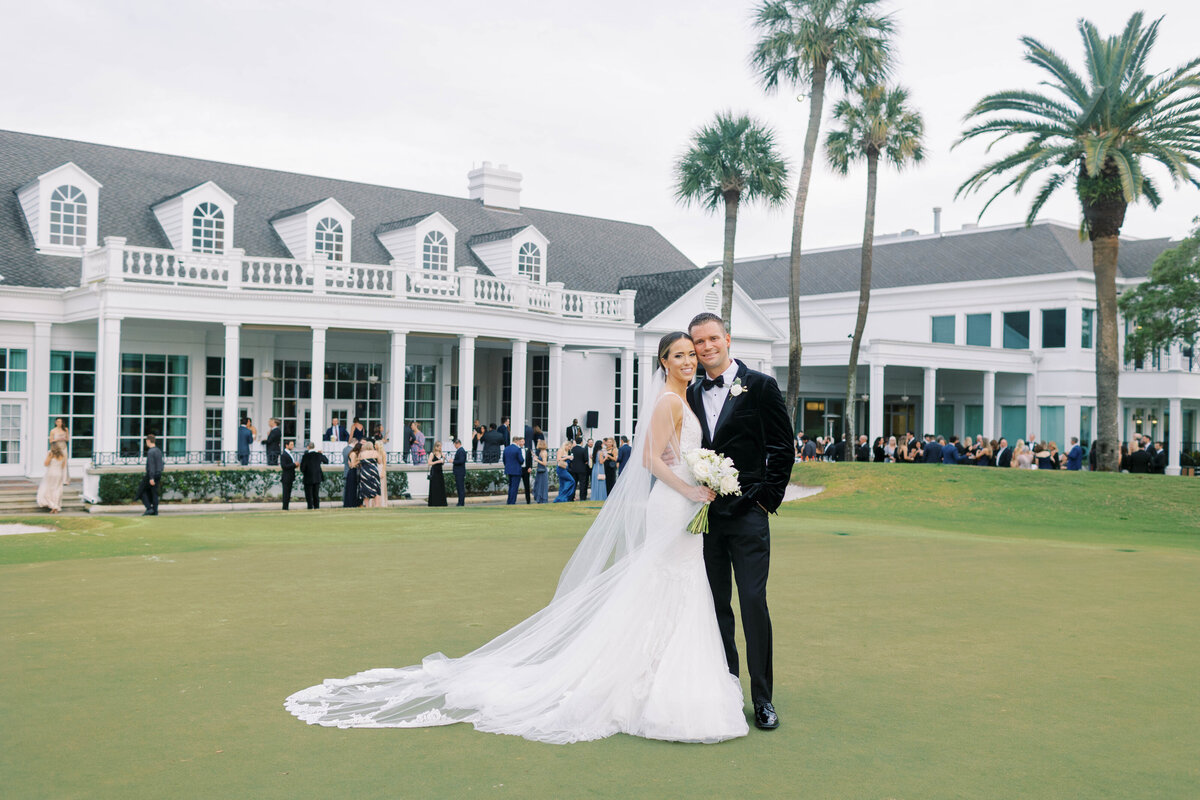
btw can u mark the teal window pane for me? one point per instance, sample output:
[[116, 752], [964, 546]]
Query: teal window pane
[[1085, 424], [972, 421], [1012, 423], [979, 330], [58, 382], [943, 330], [1054, 327], [1052, 425], [16, 381], [16, 359], [943, 420], [1016, 330], [1089, 321], [177, 365], [177, 384]]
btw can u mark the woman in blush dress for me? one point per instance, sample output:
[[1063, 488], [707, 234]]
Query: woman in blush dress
[[1022, 456], [50, 490], [60, 433], [437, 480]]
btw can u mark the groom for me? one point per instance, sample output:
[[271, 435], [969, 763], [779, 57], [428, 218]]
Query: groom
[[743, 416]]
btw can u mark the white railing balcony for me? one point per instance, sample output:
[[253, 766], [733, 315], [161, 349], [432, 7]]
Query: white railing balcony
[[117, 262]]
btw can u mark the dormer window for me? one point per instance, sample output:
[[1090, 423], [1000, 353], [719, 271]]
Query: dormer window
[[208, 229], [329, 239], [529, 262], [68, 217], [435, 254]]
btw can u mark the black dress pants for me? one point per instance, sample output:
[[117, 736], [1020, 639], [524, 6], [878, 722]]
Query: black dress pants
[[312, 494], [581, 485], [460, 485], [743, 544], [525, 480], [149, 494], [286, 483]]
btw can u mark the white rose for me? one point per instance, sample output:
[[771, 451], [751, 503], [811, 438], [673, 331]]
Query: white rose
[[729, 485]]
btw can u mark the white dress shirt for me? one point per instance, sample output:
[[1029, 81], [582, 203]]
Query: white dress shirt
[[714, 397]]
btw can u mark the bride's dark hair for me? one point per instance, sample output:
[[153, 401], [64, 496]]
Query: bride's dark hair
[[664, 345]]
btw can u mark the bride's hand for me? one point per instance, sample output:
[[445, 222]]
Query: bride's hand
[[700, 494]]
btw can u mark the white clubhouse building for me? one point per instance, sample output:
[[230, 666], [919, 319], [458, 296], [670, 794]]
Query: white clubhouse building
[[131, 281]]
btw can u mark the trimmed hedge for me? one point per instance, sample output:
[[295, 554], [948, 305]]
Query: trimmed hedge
[[487, 481], [240, 485]]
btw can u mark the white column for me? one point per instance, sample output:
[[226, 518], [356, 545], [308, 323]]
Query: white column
[[1175, 445], [395, 396], [520, 375], [875, 426], [989, 406], [1033, 415], [444, 375], [39, 396], [108, 383], [929, 401], [229, 420], [627, 359], [466, 385], [646, 364], [558, 426], [316, 414]]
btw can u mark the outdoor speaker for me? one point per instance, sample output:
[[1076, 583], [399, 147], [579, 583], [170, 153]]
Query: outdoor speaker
[[593, 419]]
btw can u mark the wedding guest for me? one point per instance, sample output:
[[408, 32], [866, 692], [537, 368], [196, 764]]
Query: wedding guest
[[416, 443], [1138, 460], [527, 464], [1022, 456], [245, 436], [1047, 457], [287, 471], [889, 450], [493, 445], [878, 452], [950, 454], [580, 470], [312, 474], [1004, 453], [610, 465], [1159, 460], [336, 432], [1075, 455], [357, 430], [566, 480], [437, 480], [599, 456], [50, 490], [460, 471], [477, 433], [983, 456], [623, 453], [932, 449], [541, 479], [514, 462], [272, 442], [381, 459], [150, 487], [59, 433], [350, 476], [363, 461], [1092, 455]]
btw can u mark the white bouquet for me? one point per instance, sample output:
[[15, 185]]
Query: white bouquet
[[715, 471]]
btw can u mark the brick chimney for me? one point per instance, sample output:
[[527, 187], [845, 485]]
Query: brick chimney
[[496, 187]]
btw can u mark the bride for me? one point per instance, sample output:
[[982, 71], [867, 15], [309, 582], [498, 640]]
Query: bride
[[629, 643]]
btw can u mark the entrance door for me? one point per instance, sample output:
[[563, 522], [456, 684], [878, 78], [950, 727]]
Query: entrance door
[[12, 430]]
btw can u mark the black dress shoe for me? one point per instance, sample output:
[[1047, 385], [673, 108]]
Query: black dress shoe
[[765, 717], [147, 513]]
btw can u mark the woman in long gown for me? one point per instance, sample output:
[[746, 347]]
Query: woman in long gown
[[50, 490], [60, 432], [541, 473], [610, 465], [437, 481], [566, 481], [368, 473], [629, 643]]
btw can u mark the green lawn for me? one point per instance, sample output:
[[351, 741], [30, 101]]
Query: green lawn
[[939, 632]]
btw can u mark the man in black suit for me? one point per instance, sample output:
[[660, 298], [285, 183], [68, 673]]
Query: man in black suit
[[527, 468], [310, 469], [152, 481], [336, 432], [574, 431], [504, 431], [460, 471], [579, 468], [863, 451], [493, 445], [287, 474], [273, 441], [1160, 459], [838, 452], [1138, 460], [623, 454], [1004, 457]]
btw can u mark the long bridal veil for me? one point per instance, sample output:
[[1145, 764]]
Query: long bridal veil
[[537, 679]]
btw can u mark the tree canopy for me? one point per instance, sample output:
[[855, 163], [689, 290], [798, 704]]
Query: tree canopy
[[1166, 308]]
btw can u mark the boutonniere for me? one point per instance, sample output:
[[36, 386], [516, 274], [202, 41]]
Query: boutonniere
[[737, 387]]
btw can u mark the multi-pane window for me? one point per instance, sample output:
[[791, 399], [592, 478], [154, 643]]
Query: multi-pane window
[[1016, 330], [208, 229], [1054, 327], [212, 433], [153, 400], [420, 398], [539, 411], [529, 261], [506, 387], [943, 330], [1089, 322], [10, 433], [979, 330], [330, 239], [360, 384], [1085, 424], [73, 397], [214, 377], [293, 383], [435, 254], [13, 370], [617, 397], [68, 217]]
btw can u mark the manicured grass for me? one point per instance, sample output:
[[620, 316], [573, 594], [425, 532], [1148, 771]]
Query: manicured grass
[[938, 633]]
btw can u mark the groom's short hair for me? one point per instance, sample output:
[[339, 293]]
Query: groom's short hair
[[704, 317]]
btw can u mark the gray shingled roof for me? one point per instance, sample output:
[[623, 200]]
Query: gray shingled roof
[[495, 236], [658, 290], [400, 224], [1044, 248], [586, 253]]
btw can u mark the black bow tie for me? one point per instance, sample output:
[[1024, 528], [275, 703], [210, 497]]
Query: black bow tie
[[705, 383]]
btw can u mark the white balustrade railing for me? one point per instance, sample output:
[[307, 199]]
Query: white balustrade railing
[[117, 262]]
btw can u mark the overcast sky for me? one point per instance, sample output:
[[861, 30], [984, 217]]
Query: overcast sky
[[592, 103]]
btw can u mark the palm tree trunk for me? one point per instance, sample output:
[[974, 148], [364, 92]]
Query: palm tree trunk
[[864, 295], [816, 101], [732, 197], [1108, 359]]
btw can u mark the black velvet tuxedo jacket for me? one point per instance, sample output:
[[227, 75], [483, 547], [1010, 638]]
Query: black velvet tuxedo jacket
[[754, 430]]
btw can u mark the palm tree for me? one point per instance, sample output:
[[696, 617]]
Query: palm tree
[[878, 122], [806, 43], [732, 160], [1099, 131]]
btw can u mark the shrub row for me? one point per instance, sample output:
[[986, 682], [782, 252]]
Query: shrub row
[[237, 485]]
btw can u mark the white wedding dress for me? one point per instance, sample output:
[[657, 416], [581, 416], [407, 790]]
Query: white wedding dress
[[632, 647]]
